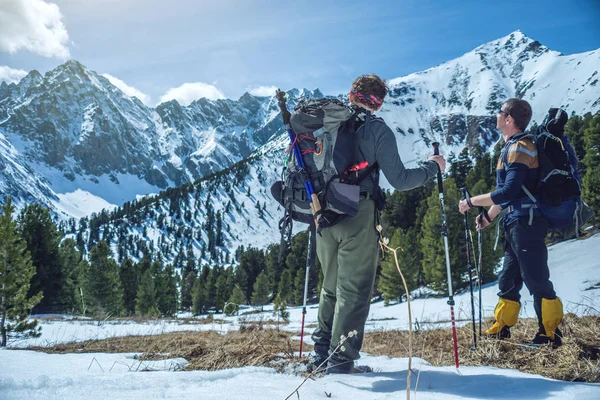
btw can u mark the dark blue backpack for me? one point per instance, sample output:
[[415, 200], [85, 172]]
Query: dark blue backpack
[[558, 194]]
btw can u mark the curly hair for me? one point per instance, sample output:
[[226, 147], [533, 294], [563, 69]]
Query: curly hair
[[369, 89]]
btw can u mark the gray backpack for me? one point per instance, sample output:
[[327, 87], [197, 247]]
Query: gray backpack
[[325, 130]]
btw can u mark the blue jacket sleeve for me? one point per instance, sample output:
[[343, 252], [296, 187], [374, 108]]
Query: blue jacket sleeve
[[515, 176]]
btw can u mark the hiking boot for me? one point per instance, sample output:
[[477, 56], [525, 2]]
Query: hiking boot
[[338, 366], [316, 360], [503, 333], [506, 315], [541, 338]]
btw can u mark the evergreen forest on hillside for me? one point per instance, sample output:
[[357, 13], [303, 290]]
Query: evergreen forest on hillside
[[93, 267]]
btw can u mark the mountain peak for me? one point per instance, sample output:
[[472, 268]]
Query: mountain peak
[[246, 97], [71, 67], [33, 78]]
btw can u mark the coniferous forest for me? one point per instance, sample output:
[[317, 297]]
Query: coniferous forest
[[93, 267]]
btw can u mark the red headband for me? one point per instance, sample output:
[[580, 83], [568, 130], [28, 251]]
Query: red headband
[[371, 100]]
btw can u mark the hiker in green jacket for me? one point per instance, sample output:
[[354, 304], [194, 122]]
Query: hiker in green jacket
[[348, 251]]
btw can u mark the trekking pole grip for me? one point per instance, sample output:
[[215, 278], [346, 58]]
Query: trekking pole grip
[[466, 196], [436, 148], [281, 102]]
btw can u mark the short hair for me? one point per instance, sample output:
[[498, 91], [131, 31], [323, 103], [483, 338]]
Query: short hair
[[520, 110], [369, 85]]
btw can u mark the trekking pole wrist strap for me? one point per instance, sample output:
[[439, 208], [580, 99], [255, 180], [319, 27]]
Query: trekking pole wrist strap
[[483, 211], [467, 197]]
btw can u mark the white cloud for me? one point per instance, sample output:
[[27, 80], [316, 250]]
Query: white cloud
[[33, 25], [11, 75], [265, 91], [189, 92], [128, 90]]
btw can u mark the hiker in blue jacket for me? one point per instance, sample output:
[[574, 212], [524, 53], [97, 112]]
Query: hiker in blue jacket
[[525, 229]]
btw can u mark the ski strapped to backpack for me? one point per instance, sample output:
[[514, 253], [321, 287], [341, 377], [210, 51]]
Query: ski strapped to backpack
[[315, 205], [558, 193], [324, 152]]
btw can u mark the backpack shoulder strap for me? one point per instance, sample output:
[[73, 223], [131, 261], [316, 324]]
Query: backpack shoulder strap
[[513, 141]]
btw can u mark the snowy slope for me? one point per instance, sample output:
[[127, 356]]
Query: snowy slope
[[574, 268], [435, 104]]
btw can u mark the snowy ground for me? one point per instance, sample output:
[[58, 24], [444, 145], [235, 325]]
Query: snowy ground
[[34, 375], [575, 271]]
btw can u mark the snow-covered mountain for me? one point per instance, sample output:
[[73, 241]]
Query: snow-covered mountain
[[70, 138], [78, 132]]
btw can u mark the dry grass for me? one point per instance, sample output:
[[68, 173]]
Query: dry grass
[[204, 350], [577, 360]]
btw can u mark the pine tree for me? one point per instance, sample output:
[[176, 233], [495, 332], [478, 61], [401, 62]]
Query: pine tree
[[72, 271], [146, 302], [16, 272], [170, 299], [219, 238], [252, 262], [591, 180], [274, 267], [460, 168], [574, 130], [42, 237], [198, 297], [104, 285], [237, 296], [432, 244], [187, 286], [260, 294], [280, 309], [286, 287], [409, 260], [299, 286], [210, 287], [221, 291], [484, 169], [296, 259], [401, 208], [130, 281], [160, 284]]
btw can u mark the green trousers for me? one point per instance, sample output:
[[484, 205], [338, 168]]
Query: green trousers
[[348, 254]]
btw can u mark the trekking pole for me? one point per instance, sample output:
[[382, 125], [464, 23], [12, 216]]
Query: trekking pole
[[479, 277], [482, 214], [309, 260], [467, 196], [315, 205], [436, 151]]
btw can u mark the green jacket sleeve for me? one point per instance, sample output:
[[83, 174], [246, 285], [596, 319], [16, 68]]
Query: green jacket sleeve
[[393, 168]]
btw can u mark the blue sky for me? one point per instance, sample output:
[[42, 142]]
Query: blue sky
[[224, 48]]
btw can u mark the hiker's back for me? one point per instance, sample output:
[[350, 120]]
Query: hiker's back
[[557, 193]]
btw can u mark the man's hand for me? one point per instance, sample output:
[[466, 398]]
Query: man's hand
[[463, 206], [440, 161], [481, 222]]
